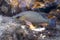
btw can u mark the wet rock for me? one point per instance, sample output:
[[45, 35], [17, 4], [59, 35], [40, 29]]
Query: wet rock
[[4, 9], [0, 2]]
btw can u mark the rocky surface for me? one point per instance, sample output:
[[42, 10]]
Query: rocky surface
[[10, 29]]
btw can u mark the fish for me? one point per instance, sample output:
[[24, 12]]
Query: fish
[[32, 16]]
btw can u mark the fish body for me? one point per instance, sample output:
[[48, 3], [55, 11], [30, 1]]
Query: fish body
[[31, 16]]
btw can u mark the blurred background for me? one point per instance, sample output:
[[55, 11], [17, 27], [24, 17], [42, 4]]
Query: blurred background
[[29, 19]]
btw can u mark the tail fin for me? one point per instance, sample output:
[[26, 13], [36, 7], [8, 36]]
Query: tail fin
[[52, 22]]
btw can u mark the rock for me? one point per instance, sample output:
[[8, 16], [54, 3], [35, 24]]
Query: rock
[[58, 27], [4, 9], [0, 2]]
